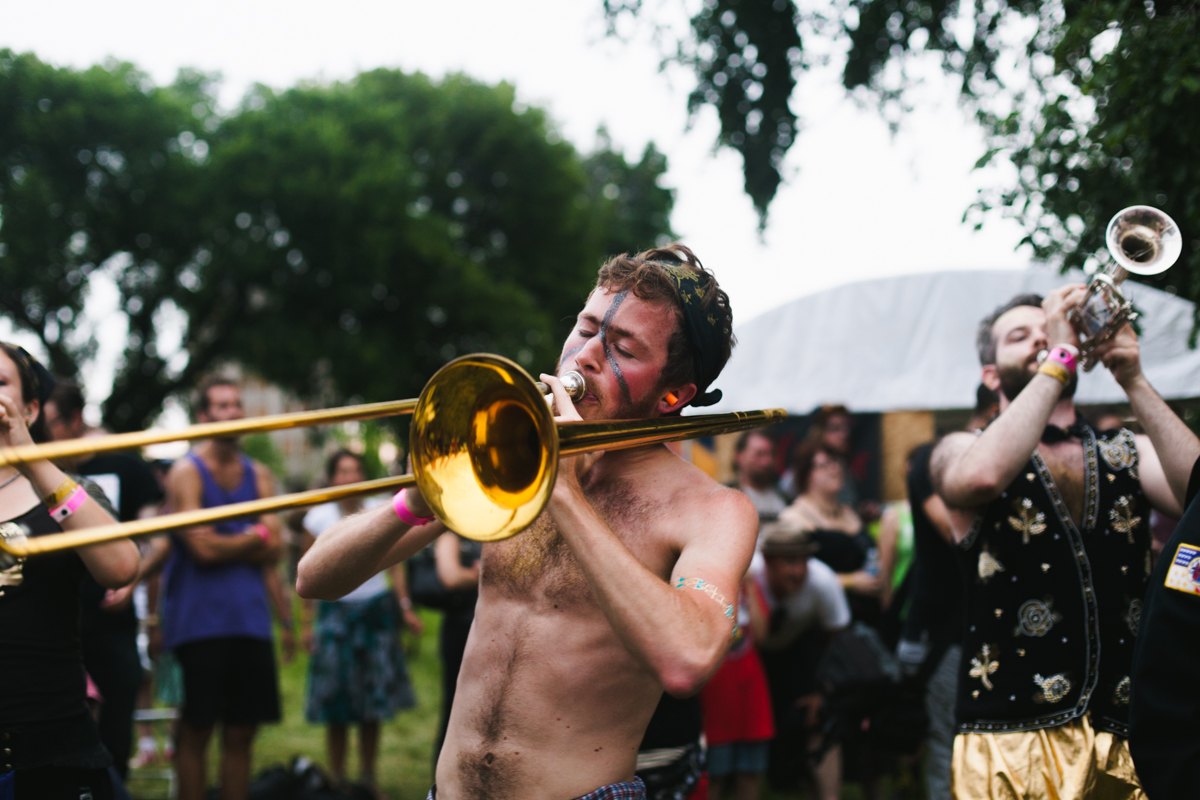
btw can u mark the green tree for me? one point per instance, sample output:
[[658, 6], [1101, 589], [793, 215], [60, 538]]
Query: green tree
[[345, 240], [90, 167], [1094, 103]]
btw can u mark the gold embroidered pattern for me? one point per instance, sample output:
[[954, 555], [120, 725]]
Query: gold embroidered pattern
[[1122, 518], [1121, 694], [1028, 521], [1037, 618], [1133, 615], [983, 665], [1053, 689], [988, 566], [1119, 452]]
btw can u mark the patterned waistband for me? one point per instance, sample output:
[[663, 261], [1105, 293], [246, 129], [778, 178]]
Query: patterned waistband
[[633, 790]]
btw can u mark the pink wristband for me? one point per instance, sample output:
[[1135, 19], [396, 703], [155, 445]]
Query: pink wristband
[[1062, 356], [406, 516], [263, 532], [70, 505]]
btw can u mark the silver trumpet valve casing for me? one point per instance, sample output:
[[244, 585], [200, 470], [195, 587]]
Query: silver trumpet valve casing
[[1142, 240]]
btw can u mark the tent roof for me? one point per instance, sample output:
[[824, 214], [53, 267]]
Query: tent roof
[[907, 342]]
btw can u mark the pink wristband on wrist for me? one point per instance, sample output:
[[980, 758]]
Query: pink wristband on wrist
[[1062, 355], [406, 516], [263, 532], [69, 506]]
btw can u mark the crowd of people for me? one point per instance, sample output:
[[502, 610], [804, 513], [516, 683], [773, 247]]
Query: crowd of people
[[653, 634]]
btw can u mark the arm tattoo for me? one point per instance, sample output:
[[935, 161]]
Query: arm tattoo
[[712, 591]]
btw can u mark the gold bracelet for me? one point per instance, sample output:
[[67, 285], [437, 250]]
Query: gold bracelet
[[1056, 371], [56, 498]]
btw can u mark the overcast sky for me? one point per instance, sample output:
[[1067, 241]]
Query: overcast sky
[[858, 203]]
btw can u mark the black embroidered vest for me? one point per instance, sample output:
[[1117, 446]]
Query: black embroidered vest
[[1052, 608]]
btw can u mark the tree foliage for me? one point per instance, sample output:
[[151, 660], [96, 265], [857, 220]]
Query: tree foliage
[[341, 240], [1093, 103]]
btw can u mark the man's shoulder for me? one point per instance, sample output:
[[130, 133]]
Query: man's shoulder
[[183, 467]]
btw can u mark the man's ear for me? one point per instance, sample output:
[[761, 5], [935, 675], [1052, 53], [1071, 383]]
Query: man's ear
[[676, 399], [991, 377]]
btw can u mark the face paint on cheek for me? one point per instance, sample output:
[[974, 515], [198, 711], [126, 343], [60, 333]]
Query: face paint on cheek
[[568, 354], [612, 362]]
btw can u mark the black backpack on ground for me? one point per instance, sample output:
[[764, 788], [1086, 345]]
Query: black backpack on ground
[[864, 694]]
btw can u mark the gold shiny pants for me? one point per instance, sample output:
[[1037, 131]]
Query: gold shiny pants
[[1066, 762]]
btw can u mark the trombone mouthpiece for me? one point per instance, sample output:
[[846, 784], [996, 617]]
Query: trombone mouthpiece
[[572, 381]]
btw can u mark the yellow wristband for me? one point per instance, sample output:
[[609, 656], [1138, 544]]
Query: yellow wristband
[[56, 498], [1056, 371]]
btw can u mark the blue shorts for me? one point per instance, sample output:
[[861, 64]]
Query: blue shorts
[[745, 757], [634, 790]]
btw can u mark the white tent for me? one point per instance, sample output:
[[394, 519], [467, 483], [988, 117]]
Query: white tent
[[909, 343]]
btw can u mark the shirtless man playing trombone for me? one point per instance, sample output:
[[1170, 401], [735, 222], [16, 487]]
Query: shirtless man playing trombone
[[623, 588]]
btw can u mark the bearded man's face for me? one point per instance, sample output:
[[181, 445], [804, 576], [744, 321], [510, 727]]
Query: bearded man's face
[[1020, 334]]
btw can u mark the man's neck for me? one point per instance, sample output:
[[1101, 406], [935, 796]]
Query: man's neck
[[220, 451], [747, 482], [1063, 415]]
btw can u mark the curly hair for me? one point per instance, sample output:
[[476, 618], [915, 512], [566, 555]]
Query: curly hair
[[644, 275]]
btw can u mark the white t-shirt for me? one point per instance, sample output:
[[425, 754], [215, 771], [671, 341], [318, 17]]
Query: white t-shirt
[[820, 601], [320, 519]]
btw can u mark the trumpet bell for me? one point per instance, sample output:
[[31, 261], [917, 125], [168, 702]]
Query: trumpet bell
[[1143, 240], [485, 447]]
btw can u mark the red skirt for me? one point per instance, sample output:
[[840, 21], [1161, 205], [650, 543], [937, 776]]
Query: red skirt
[[737, 703]]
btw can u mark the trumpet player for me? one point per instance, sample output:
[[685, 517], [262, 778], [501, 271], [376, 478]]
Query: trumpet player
[[623, 588], [1052, 523]]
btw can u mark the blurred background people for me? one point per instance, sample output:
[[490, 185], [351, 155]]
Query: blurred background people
[[215, 605], [928, 649], [835, 528], [805, 606], [738, 726], [109, 622], [754, 463], [356, 670]]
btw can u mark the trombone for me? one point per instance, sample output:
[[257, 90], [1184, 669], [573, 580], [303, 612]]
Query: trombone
[[484, 443]]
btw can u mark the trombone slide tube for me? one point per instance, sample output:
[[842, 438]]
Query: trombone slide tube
[[205, 430], [585, 437], [204, 516]]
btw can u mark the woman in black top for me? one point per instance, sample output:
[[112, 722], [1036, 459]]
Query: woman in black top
[[49, 748], [842, 542]]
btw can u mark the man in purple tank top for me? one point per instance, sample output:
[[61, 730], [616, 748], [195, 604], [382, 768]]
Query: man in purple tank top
[[215, 612]]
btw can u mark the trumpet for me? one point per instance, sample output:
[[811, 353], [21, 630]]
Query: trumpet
[[485, 451], [1141, 240]]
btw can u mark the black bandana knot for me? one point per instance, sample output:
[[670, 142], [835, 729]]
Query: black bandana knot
[[703, 329]]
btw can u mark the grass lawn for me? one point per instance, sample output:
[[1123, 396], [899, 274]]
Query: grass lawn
[[405, 749]]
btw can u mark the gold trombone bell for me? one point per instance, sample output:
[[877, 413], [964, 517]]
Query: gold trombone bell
[[485, 450]]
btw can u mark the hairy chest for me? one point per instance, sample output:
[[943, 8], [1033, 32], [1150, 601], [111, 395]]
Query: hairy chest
[[538, 563], [1065, 463]]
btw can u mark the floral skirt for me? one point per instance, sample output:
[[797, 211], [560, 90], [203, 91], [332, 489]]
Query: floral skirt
[[357, 671]]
